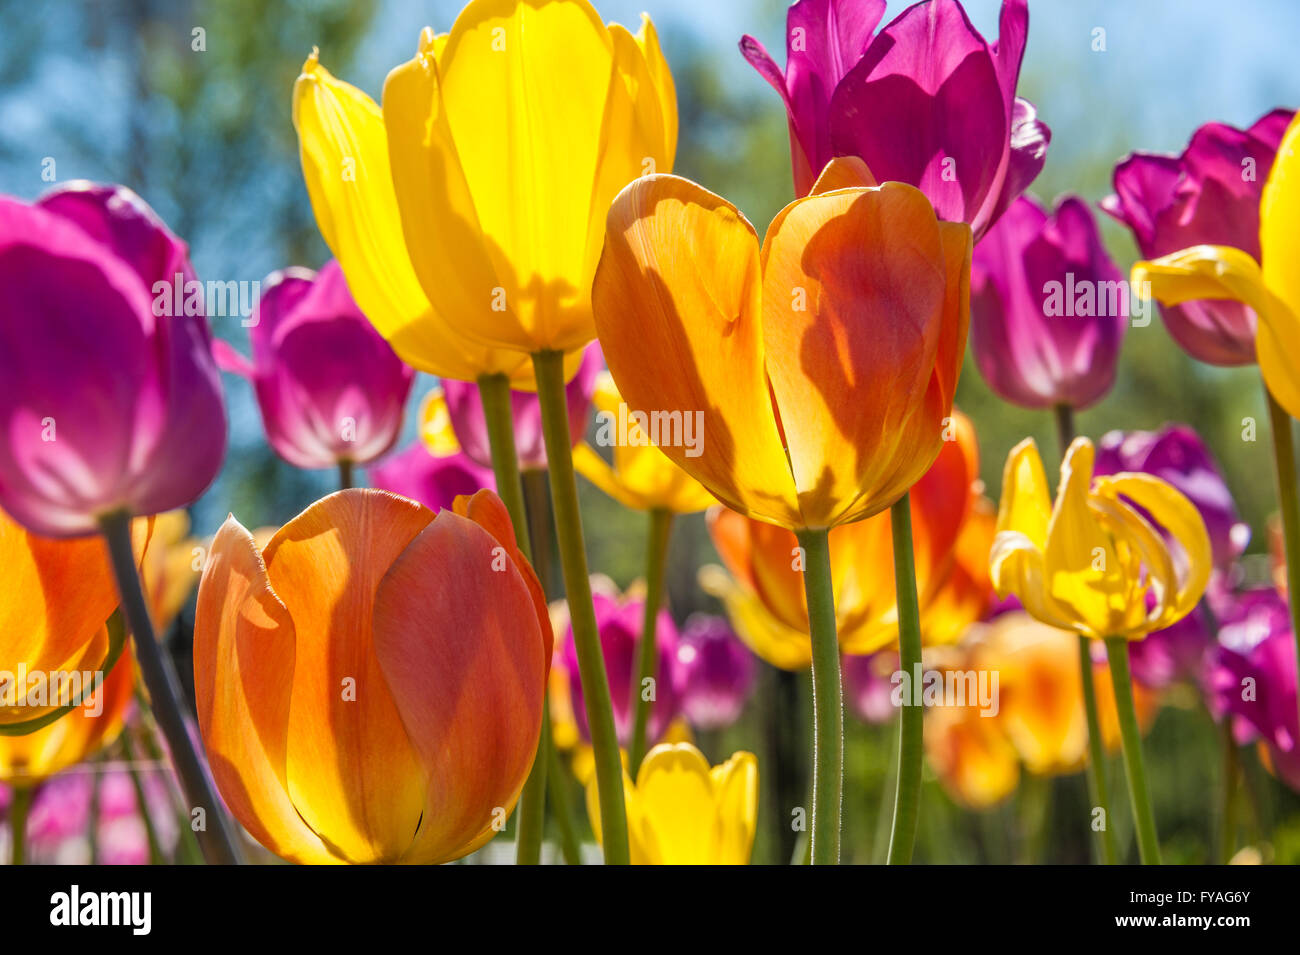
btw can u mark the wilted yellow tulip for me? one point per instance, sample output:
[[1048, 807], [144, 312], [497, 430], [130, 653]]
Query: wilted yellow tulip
[[681, 811], [1088, 563], [73, 737], [370, 685], [641, 477]]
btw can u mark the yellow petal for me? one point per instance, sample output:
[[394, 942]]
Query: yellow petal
[[678, 816], [1026, 505], [678, 288], [1222, 272], [771, 640], [648, 39], [435, 425], [345, 162], [735, 787]]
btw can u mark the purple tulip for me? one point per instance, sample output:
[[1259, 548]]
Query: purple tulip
[[329, 387], [1177, 455], [717, 672], [1173, 655], [1048, 307], [1255, 686], [109, 397], [868, 687], [434, 481], [1207, 196], [619, 624], [926, 101], [466, 413]]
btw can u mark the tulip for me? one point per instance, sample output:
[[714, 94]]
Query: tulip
[[1208, 195], [434, 481], [123, 413], [56, 596], [926, 101], [370, 685], [681, 811], [1091, 563], [952, 535], [331, 391], [1038, 342], [867, 685], [452, 417], [1268, 287], [1256, 687], [760, 342], [619, 623], [717, 673], [1176, 454]]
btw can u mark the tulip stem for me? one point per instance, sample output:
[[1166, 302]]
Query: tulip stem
[[1288, 498], [561, 807], [1228, 794], [828, 699], [215, 838], [1131, 740], [907, 791], [20, 802], [137, 784], [549, 369], [1097, 787], [1096, 771], [661, 528], [347, 474], [494, 393]]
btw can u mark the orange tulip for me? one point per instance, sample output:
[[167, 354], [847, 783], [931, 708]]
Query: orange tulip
[[824, 363], [74, 737], [54, 598], [952, 532], [370, 685]]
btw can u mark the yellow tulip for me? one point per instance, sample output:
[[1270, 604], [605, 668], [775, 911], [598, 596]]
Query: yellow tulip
[[1270, 287], [1089, 563], [506, 139], [641, 477], [684, 812]]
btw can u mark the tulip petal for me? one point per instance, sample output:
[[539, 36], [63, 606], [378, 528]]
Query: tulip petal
[[244, 660], [843, 172], [1026, 505], [840, 317], [345, 161], [678, 287], [1218, 272], [735, 787], [353, 774], [470, 692], [674, 796]]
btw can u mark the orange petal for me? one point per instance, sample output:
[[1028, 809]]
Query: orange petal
[[243, 675], [352, 773], [678, 288], [854, 292], [466, 662]]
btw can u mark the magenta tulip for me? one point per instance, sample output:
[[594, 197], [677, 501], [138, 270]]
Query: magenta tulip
[[716, 672], [1207, 196], [110, 400], [1048, 307], [465, 410], [619, 623], [926, 101], [868, 686], [329, 387], [434, 481]]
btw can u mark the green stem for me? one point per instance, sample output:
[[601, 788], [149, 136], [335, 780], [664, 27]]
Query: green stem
[[907, 792], [1288, 498], [1097, 785], [549, 369], [1228, 794], [347, 474], [494, 392], [661, 528], [96, 767], [20, 802], [1131, 739], [128, 753], [1096, 769], [562, 809], [828, 699], [164, 695]]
